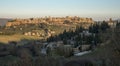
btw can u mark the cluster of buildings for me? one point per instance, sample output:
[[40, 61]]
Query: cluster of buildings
[[39, 34], [49, 20]]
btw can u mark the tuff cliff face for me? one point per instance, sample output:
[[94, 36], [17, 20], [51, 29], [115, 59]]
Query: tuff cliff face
[[50, 20]]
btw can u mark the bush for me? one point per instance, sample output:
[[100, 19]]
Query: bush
[[65, 51]]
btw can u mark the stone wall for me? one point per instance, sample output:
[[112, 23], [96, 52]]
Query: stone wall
[[51, 20]]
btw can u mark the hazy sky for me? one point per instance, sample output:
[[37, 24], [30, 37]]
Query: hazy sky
[[97, 9]]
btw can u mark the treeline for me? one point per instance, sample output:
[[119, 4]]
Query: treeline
[[29, 55], [78, 34]]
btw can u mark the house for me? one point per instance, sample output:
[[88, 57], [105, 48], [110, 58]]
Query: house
[[54, 45], [32, 33], [86, 33], [82, 48]]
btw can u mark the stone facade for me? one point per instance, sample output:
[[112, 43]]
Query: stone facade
[[49, 20]]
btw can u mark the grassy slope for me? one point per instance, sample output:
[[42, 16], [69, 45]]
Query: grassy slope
[[17, 37]]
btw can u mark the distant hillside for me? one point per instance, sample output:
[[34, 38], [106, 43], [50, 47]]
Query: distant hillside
[[3, 21]]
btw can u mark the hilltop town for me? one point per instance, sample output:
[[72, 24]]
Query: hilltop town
[[59, 33], [56, 38], [46, 27], [51, 21]]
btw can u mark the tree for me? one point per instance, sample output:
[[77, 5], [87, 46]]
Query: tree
[[65, 51], [24, 53], [94, 28], [79, 40], [79, 29], [117, 25], [104, 26], [48, 51], [64, 41], [50, 39]]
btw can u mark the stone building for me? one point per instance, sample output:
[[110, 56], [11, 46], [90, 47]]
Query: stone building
[[50, 20]]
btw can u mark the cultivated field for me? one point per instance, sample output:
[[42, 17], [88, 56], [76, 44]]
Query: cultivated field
[[17, 37]]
